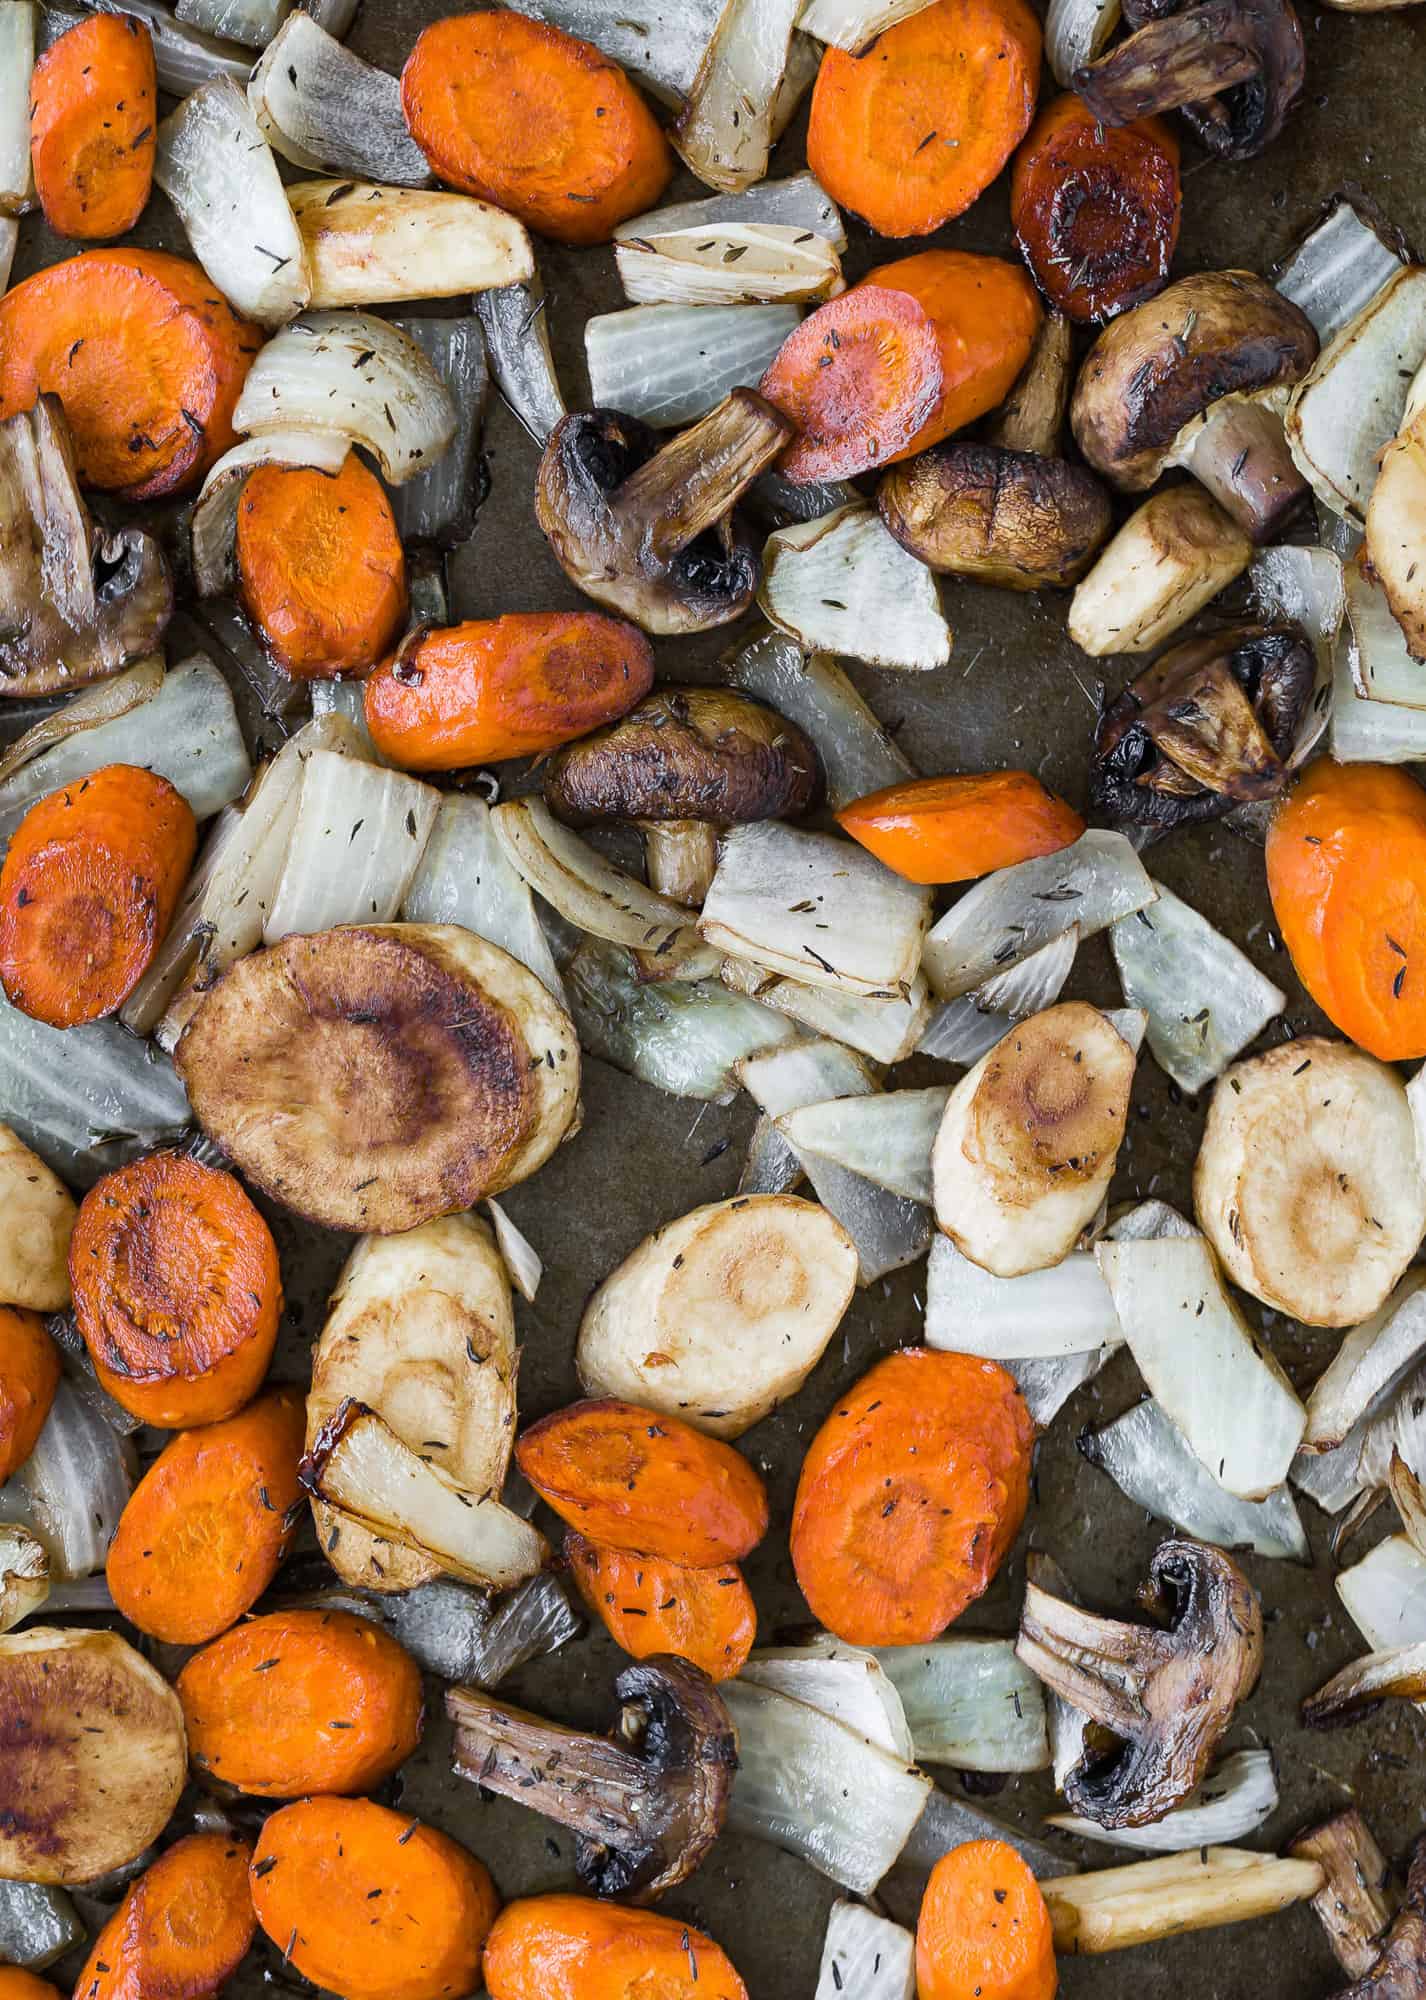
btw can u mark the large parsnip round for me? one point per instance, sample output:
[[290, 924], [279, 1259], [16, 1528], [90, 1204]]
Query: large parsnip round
[[723, 1314], [372, 1077], [37, 1216], [1308, 1183]]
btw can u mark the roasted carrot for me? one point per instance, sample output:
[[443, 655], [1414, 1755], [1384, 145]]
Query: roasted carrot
[[370, 1903], [210, 1522], [29, 1376], [704, 1615], [176, 1289], [644, 1482], [321, 568], [536, 121], [88, 889], [181, 1930], [146, 357], [573, 1948], [984, 1932], [301, 1701], [92, 120], [916, 350], [506, 687], [1096, 208], [909, 133], [953, 829], [17, 1984], [910, 1496]]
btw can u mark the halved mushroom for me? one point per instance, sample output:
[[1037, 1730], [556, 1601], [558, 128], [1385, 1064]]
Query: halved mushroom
[[1006, 517], [650, 528], [1172, 555], [1159, 1698], [646, 1803], [1355, 1905], [75, 605], [1199, 377]]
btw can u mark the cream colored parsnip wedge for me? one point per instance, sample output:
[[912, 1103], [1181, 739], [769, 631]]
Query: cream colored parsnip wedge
[[36, 1220]]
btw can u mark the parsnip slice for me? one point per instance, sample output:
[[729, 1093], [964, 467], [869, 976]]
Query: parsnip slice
[[1115, 1907], [1170, 557], [36, 1219], [371, 246]]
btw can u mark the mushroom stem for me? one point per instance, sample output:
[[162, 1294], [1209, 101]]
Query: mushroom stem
[[1177, 60], [1032, 417], [680, 856], [1355, 1906], [1240, 453], [586, 1783], [1101, 1665], [1399, 1970], [699, 476]]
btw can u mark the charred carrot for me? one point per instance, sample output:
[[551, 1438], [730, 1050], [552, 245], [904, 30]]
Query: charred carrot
[[92, 120], [506, 687], [371, 1904], [984, 1932], [573, 1948], [181, 1930], [88, 889], [953, 829], [176, 1289], [703, 1615], [210, 1522], [29, 1376]]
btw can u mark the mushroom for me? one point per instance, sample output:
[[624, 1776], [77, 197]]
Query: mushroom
[[1400, 1969], [650, 529], [1208, 726], [75, 606], [1032, 417], [684, 762], [1198, 377], [645, 1803], [1354, 1906], [1158, 1700]]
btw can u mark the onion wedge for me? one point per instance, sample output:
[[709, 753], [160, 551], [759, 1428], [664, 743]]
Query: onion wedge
[[854, 24], [1146, 1900], [1338, 270], [78, 1480], [368, 246], [251, 22], [800, 203], [965, 1029], [1048, 1384], [1350, 402], [1076, 31], [1372, 731], [518, 1253], [1039, 1315], [846, 1683], [70, 1092], [948, 1823], [184, 57], [1235, 1800], [1381, 667], [886, 1138], [970, 1703], [17, 61], [214, 525], [326, 110], [725, 129], [887, 1030], [659, 41], [729, 263], [106, 701], [671, 364], [438, 507], [1371, 1361], [466, 878], [843, 584], [1399, 1672], [866, 1956], [518, 337], [856, 754], [38, 1924], [1385, 1595], [356, 843]]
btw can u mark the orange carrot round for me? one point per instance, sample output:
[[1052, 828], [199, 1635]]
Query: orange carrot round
[[984, 1932], [88, 889], [915, 351], [506, 687], [92, 120], [370, 1903], [645, 1482], [910, 132], [29, 1376], [182, 1928], [17, 1984], [320, 567], [302, 1701], [207, 1527], [703, 1615], [536, 121], [910, 1496], [147, 358], [953, 829], [176, 1289], [573, 1948]]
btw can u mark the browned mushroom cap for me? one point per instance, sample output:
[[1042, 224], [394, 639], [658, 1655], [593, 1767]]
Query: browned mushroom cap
[[1161, 1699], [1008, 517], [1400, 1969]]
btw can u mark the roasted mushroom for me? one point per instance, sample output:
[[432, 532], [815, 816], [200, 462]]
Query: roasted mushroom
[[646, 1803], [649, 528], [1158, 1700], [1399, 1972], [1032, 417], [1007, 517], [1355, 1905], [1198, 378]]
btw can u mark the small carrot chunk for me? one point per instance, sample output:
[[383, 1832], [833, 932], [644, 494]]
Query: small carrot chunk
[[302, 1701], [176, 1289], [703, 1615], [321, 568], [17, 1984], [910, 1496], [984, 1932], [92, 121], [536, 121], [209, 1524], [648, 1483], [29, 1376], [88, 889], [370, 1903], [953, 829], [573, 1948], [506, 687], [182, 1928]]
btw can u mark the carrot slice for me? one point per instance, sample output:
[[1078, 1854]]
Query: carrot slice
[[910, 1496], [371, 1904], [176, 1289], [953, 829], [92, 120], [146, 357], [911, 131], [302, 1701], [88, 889], [573, 1948], [703, 1615], [915, 351], [17, 1984], [536, 121], [181, 1930], [506, 687], [208, 1525], [321, 567], [1096, 208], [984, 1932], [29, 1376], [645, 1482]]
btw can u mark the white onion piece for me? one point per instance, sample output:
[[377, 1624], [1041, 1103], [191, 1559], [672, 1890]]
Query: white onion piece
[[734, 263], [1047, 1384], [1372, 1360], [461, 1634], [184, 57], [886, 1138], [336, 16], [1401, 1671], [525, 1624], [854, 24], [1305, 587], [17, 60], [347, 699], [1075, 33], [886, 1030], [104, 701], [369, 246], [865, 1957], [518, 338], [1338, 270], [771, 1166], [961, 1031], [965, 1029], [69, 1091], [1333, 1478], [970, 1703], [78, 1480], [522, 1260], [844, 584], [1381, 667], [1235, 1800], [780, 502], [1063, 1310], [38, 1924], [947, 1823], [856, 754], [214, 526], [659, 41], [24, 1575], [847, 1683], [1375, 731], [326, 110], [438, 506], [670, 364], [1065, 1724], [356, 843], [465, 877], [1385, 1595], [222, 630], [251, 22], [800, 203], [1397, 1427], [725, 129], [1350, 402]]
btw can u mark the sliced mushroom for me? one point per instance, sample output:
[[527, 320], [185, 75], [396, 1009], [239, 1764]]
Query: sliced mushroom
[[1006, 517], [645, 1803], [1158, 1700], [1356, 1904], [1170, 558], [1198, 377], [649, 528], [1399, 1972]]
